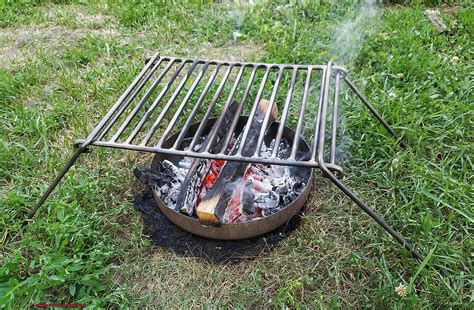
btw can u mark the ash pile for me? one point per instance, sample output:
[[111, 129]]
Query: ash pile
[[219, 192]]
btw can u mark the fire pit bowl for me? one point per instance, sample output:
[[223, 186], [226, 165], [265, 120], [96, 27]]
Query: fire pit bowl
[[238, 230]]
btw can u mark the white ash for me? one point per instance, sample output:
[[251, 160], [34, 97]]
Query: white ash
[[186, 163], [170, 182]]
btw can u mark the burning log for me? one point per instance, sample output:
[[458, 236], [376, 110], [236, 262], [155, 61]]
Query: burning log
[[212, 207], [199, 169]]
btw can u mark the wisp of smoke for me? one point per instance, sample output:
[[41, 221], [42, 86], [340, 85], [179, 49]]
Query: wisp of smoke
[[349, 36], [345, 45]]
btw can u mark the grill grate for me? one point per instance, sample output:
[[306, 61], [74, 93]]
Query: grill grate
[[173, 93], [170, 94]]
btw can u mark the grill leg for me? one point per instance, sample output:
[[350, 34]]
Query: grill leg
[[342, 186], [375, 113], [57, 179], [371, 212]]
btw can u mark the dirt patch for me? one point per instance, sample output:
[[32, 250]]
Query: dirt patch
[[94, 20], [231, 52], [78, 15], [17, 44]]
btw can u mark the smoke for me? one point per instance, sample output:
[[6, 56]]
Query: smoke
[[346, 43], [349, 36]]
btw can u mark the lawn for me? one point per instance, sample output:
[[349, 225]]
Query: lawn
[[63, 64]]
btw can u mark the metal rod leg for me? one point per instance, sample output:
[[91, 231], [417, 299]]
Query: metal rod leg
[[57, 179], [375, 113], [372, 214]]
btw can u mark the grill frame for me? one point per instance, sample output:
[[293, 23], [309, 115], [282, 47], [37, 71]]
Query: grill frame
[[317, 158], [103, 129]]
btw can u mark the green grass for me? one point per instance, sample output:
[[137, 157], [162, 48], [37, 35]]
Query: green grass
[[62, 64]]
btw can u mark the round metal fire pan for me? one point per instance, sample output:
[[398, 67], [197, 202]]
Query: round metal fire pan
[[241, 230]]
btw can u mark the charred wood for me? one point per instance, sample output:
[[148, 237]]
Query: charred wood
[[212, 207], [199, 168]]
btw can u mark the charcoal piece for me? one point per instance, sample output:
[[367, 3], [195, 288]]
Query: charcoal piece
[[268, 212], [284, 149], [287, 199], [186, 143], [167, 173], [280, 190], [248, 198], [298, 186], [266, 152], [148, 176], [169, 169], [267, 200], [166, 181]]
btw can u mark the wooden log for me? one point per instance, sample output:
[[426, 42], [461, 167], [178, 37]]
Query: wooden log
[[211, 209], [199, 168]]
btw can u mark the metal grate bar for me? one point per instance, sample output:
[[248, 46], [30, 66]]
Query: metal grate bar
[[196, 108], [210, 108], [129, 99], [96, 131], [299, 126], [321, 128], [285, 112], [267, 113], [183, 104], [318, 117], [168, 105], [332, 152], [142, 101], [212, 135], [252, 113], [155, 103], [323, 115], [239, 111]]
